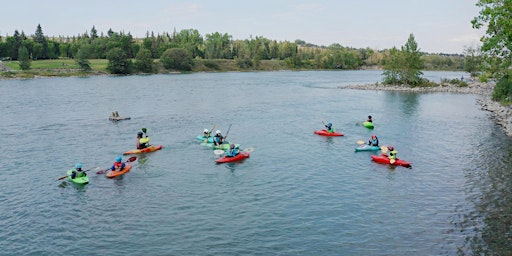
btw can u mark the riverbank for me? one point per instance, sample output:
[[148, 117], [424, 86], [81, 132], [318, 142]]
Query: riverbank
[[501, 115]]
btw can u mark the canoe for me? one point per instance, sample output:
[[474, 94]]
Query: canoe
[[326, 133], [145, 150], [78, 180], [223, 146], [385, 160], [367, 148], [226, 159], [112, 174], [368, 125], [201, 138]]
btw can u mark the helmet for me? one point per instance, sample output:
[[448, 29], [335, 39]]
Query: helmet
[[205, 130], [329, 124], [369, 116], [373, 136], [119, 159], [232, 146], [391, 148], [139, 134], [217, 132], [78, 166]]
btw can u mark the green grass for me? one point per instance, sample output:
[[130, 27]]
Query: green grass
[[59, 64]]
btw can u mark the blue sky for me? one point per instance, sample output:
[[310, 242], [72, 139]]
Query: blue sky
[[439, 26]]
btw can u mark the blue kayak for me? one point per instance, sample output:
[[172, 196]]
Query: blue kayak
[[367, 148]]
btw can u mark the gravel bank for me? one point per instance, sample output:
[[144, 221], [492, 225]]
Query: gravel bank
[[500, 114]]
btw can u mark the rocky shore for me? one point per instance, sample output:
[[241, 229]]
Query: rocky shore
[[502, 115]]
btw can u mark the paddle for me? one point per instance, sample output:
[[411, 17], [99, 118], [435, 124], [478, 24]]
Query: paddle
[[225, 137], [384, 150], [131, 159], [63, 177]]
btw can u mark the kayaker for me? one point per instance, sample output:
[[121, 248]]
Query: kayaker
[[232, 151], [77, 172], [392, 153], [329, 128], [142, 142], [218, 139], [207, 133], [369, 119], [118, 164], [373, 141]]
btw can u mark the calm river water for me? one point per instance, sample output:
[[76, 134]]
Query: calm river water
[[297, 194]]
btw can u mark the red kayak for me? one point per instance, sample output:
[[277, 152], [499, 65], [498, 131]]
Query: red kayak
[[239, 157], [326, 133], [144, 150], [112, 174], [385, 160]]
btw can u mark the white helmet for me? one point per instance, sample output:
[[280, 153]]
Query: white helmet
[[205, 130], [217, 132]]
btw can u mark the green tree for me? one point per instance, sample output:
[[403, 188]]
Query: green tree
[[143, 61], [82, 58], [118, 62], [23, 58], [41, 39], [178, 59], [472, 60], [404, 66], [392, 64]]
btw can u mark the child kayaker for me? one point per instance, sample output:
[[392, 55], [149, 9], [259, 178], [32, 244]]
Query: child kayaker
[[369, 119], [218, 139], [142, 142], [77, 172], [392, 154], [118, 164], [232, 151], [329, 128], [373, 141], [207, 133]]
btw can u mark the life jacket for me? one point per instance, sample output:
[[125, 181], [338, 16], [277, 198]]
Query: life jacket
[[329, 129], [218, 138], [392, 154], [374, 142], [232, 152], [118, 165]]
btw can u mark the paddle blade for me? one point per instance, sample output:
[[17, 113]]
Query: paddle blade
[[131, 159], [392, 161], [218, 152], [360, 142], [384, 149], [249, 150], [63, 177]]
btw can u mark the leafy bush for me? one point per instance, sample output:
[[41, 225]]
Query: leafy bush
[[503, 90]]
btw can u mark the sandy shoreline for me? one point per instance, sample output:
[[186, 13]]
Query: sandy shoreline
[[500, 114]]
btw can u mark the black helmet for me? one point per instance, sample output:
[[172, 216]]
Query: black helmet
[[139, 134]]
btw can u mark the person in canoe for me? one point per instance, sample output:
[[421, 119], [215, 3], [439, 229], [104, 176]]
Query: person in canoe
[[218, 139], [77, 172], [373, 141], [369, 119], [329, 128], [118, 164], [141, 141], [232, 151]]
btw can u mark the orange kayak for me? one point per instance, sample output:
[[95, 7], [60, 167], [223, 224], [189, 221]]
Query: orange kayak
[[144, 150], [112, 174]]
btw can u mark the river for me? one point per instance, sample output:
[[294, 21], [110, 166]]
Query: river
[[297, 194]]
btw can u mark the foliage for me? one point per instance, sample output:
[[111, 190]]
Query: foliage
[[473, 60], [82, 59], [178, 59], [503, 89], [23, 58], [404, 66], [458, 82], [118, 62], [143, 61]]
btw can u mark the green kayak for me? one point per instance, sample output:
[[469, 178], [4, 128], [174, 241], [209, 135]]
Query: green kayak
[[78, 180], [368, 125]]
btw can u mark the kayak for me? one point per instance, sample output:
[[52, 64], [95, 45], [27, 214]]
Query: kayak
[[226, 159], [326, 133], [367, 148], [145, 150], [223, 146], [112, 174], [201, 138], [385, 160], [78, 180], [368, 125]]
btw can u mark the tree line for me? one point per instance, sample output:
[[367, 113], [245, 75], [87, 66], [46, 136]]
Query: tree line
[[178, 50]]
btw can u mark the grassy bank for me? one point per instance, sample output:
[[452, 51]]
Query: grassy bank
[[68, 67]]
